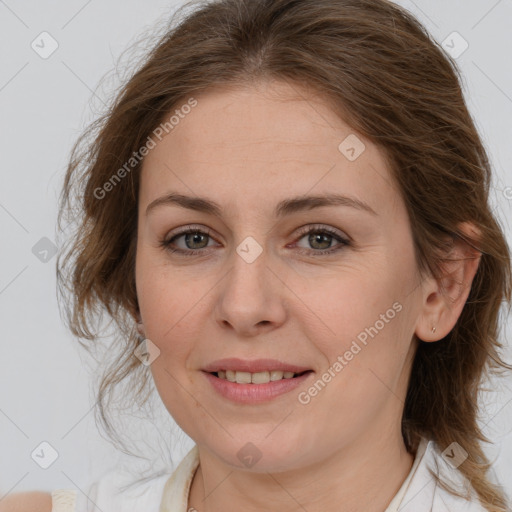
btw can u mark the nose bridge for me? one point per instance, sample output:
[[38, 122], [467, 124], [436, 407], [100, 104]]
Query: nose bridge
[[248, 277], [249, 295]]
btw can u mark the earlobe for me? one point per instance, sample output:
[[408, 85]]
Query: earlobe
[[444, 299]]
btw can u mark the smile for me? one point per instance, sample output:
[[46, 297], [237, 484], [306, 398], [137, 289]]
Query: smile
[[254, 388], [241, 377]]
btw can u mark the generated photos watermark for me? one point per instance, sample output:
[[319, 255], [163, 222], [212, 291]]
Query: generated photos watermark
[[305, 397], [159, 132]]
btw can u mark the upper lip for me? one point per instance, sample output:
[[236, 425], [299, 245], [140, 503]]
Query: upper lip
[[254, 366]]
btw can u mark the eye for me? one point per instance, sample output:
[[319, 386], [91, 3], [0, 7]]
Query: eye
[[320, 238], [194, 238]]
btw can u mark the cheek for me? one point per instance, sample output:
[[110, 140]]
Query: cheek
[[347, 308], [160, 293], [367, 341], [362, 374], [166, 307]]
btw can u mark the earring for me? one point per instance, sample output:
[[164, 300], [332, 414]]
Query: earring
[[140, 329], [433, 329]]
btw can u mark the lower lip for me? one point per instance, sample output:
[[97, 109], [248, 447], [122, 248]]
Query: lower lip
[[255, 393]]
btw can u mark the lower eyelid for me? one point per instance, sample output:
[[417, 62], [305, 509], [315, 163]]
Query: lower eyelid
[[342, 242], [172, 240]]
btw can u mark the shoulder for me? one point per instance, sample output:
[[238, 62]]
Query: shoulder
[[119, 491], [427, 491], [34, 501], [114, 491], [445, 464]]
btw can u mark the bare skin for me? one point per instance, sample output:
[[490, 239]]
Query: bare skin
[[34, 501], [247, 150]]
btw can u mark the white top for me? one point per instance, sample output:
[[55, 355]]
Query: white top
[[169, 492]]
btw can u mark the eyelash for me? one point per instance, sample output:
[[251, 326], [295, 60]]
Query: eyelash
[[318, 229]]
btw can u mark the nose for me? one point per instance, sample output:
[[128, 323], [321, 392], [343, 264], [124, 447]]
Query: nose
[[251, 297]]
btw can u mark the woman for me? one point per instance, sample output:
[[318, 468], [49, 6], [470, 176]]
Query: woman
[[286, 213]]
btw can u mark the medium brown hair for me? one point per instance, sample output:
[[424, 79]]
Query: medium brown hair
[[391, 82]]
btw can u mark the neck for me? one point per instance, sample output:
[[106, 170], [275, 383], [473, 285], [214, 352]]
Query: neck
[[364, 476]]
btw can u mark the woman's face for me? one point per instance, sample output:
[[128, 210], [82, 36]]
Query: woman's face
[[342, 302]]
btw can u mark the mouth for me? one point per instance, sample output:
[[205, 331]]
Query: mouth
[[263, 377], [254, 382]]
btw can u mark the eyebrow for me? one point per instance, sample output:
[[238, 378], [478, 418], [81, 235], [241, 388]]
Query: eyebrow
[[283, 208]]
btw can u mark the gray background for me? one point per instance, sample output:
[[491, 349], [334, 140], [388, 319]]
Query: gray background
[[45, 103]]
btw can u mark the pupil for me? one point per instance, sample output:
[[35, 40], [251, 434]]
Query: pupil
[[195, 237], [314, 238], [318, 237]]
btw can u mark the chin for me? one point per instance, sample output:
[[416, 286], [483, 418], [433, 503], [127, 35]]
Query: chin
[[260, 455]]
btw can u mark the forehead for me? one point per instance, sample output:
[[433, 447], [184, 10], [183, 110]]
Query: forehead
[[272, 140]]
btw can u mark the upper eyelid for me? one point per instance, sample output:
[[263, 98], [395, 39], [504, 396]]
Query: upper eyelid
[[306, 228], [302, 231]]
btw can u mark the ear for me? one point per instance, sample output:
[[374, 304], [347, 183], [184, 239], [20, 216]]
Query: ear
[[444, 299]]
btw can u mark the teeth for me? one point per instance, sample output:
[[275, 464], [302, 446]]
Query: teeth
[[254, 378], [276, 375], [243, 377], [260, 378]]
